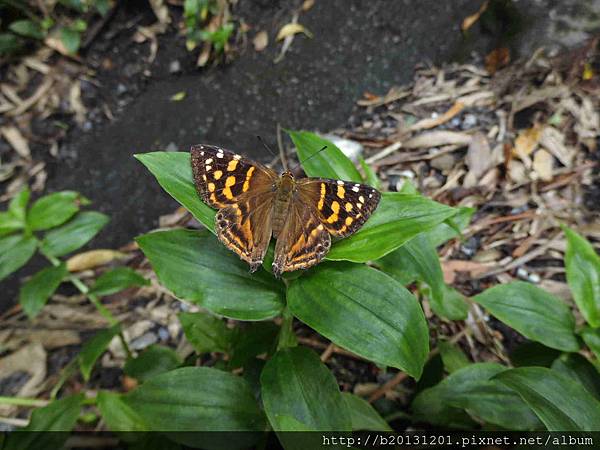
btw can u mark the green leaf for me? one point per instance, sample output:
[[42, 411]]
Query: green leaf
[[452, 356], [117, 414], [102, 6], [397, 219], [252, 340], [153, 361], [41, 433], [15, 251], [196, 399], [576, 367], [329, 163], [37, 290], [474, 390], [583, 275], [73, 234], [18, 205], [295, 383], [26, 28], [198, 268], [451, 227], [9, 223], [334, 298], [9, 43], [173, 171], [53, 210], [94, 348], [561, 404], [116, 280], [205, 332], [533, 354], [71, 39], [370, 176], [363, 415], [454, 306], [533, 312], [591, 337]]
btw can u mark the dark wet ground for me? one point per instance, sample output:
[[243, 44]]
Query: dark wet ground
[[358, 46]]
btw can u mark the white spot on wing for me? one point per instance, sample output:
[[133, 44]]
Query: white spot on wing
[[237, 157], [208, 168], [361, 199], [208, 161], [340, 182], [201, 153], [220, 154]]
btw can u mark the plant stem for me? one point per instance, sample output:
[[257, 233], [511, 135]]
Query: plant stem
[[23, 401], [287, 338]]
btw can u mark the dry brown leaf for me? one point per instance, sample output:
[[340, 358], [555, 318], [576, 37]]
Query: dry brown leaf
[[517, 172], [438, 138], [260, 41], [160, 11], [554, 141], [473, 268], [527, 141], [497, 59], [76, 104], [307, 4], [425, 124], [469, 21], [56, 43], [37, 95], [30, 360], [479, 159], [92, 259], [16, 140], [543, 163], [204, 55], [291, 29]]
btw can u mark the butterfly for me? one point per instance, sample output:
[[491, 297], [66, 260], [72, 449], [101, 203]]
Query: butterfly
[[255, 203]]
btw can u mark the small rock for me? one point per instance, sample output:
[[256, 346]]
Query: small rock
[[163, 334], [145, 340], [174, 66], [121, 89]]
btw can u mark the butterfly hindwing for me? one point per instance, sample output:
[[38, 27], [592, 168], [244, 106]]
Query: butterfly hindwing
[[222, 176], [343, 206]]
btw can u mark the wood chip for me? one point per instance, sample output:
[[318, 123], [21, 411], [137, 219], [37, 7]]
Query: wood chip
[[543, 163], [16, 141], [438, 138]]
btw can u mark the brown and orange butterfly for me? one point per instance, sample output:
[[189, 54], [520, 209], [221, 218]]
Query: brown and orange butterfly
[[254, 203]]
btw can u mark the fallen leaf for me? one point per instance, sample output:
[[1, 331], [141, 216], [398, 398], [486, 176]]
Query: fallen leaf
[[517, 172], [527, 141], [160, 11], [17, 141], [260, 41], [434, 122], [438, 138], [469, 21], [307, 4], [479, 159], [92, 259], [543, 163], [554, 141], [473, 268], [204, 55], [178, 96], [497, 59], [291, 29], [76, 104]]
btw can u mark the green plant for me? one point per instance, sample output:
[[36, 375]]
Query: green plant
[[206, 21], [361, 307]]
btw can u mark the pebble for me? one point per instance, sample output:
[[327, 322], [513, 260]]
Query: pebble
[[145, 340], [163, 334], [175, 66]]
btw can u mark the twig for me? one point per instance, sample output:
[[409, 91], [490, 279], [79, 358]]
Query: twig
[[98, 26], [328, 352], [23, 401], [14, 421]]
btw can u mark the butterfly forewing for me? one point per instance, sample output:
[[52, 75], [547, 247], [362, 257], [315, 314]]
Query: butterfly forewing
[[343, 206], [222, 176]]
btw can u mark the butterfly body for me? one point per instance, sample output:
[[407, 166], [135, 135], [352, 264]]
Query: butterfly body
[[255, 203]]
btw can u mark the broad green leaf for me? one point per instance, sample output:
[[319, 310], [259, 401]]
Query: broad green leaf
[[474, 390], [18, 205], [533, 312], [94, 348], [196, 399], [397, 219], [583, 275], [71, 39], [117, 414], [329, 163], [452, 356], [26, 28], [36, 291], [370, 176], [53, 210], [561, 403], [454, 306], [116, 280], [252, 340], [73, 234], [15, 251], [154, 360], [591, 337], [9, 223], [295, 383], [173, 171], [577, 367], [451, 227], [206, 333], [335, 298], [42, 433], [198, 268], [363, 415]]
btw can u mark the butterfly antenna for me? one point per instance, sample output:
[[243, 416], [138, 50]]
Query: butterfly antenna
[[266, 146], [314, 154]]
